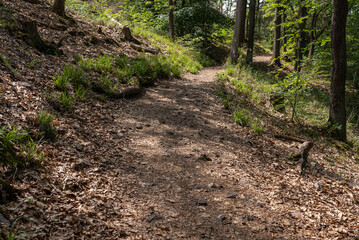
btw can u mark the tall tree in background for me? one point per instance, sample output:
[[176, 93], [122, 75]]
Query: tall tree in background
[[251, 18], [337, 113], [277, 32], [238, 33], [59, 7], [242, 21], [301, 41], [170, 19]]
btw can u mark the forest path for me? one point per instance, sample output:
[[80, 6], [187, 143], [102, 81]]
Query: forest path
[[193, 173]]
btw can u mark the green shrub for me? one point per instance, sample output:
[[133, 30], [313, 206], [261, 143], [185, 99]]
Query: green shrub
[[66, 101], [241, 117], [44, 124], [61, 82], [257, 127], [75, 75], [80, 92], [17, 148]]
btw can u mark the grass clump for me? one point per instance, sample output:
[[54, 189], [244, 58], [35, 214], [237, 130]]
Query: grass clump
[[61, 82], [66, 101], [44, 123], [75, 75], [241, 117], [17, 148]]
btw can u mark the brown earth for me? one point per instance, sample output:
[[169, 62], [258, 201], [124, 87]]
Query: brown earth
[[170, 164]]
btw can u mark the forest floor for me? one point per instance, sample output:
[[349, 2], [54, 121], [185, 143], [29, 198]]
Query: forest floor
[[169, 164]]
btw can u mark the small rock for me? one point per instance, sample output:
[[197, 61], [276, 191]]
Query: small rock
[[201, 203], [149, 184], [231, 195], [318, 186], [81, 165], [148, 125], [296, 215], [221, 218], [153, 217], [139, 126], [212, 185], [204, 157], [4, 220], [24, 84]]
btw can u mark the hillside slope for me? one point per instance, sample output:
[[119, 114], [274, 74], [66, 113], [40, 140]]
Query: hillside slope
[[170, 164]]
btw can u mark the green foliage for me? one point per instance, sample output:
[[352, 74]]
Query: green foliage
[[13, 234], [67, 101], [75, 75], [17, 148], [293, 86], [44, 124], [80, 92], [61, 82], [241, 117], [257, 127]]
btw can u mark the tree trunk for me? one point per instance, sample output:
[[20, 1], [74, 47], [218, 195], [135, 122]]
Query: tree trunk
[[337, 114], [170, 19], [238, 33], [312, 34], [301, 40], [251, 17], [277, 33], [285, 40], [242, 21], [183, 3], [30, 28], [235, 41], [59, 7]]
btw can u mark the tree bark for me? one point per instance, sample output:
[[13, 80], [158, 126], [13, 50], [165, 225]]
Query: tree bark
[[251, 17], [235, 41], [285, 40], [242, 21], [277, 33], [170, 19], [59, 7], [301, 40], [337, 113], [312, 34], [238, 33]]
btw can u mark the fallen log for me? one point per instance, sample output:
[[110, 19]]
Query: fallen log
[[289, 138], [143, 49]]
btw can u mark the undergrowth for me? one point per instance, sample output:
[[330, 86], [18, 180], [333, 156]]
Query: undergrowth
[[305, 100], [17, 147], [109, 75], [181, 57]]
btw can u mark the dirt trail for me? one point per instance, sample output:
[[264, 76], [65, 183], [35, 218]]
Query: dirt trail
[[171, 164], [192, 173]]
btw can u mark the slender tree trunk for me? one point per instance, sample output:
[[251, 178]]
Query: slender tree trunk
[[337, 113], [251, 17], [312, 34], [242, 21], [301, 40], [235, 41], [170, 19], [285, 40], [259, 21], [183, 3], [59, 7], [277, 33]]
